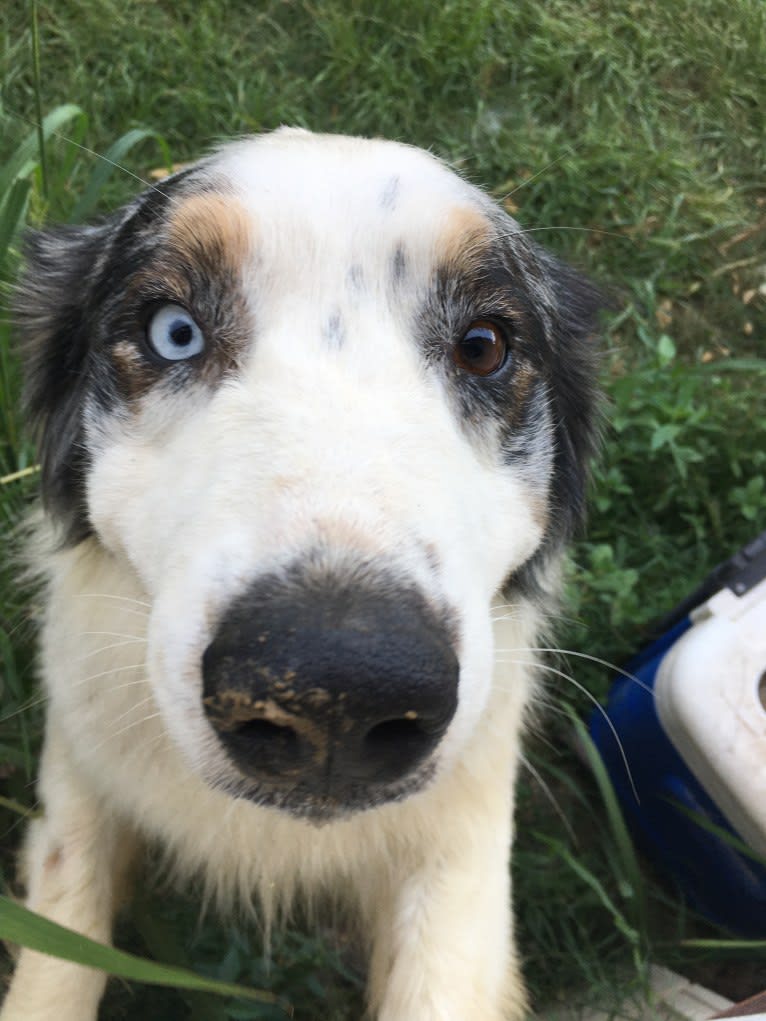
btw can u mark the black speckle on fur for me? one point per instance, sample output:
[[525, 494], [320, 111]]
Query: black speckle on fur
[[356, 279], [398, 265], [390, 194], [334, 331]]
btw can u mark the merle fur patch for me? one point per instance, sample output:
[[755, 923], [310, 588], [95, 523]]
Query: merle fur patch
[[81, 310], [548, 384]]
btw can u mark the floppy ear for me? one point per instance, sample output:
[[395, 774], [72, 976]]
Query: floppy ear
[[52, 325], [575, 395], [572, 356]]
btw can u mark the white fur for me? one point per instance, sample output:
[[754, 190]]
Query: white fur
[[192, 498]]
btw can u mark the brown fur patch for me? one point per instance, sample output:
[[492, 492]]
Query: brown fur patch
[[53, 858], [211, 224], [135, 374], [198, 260], [464, 239]]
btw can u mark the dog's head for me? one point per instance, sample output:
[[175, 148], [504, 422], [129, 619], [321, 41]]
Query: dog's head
[[327, 400]]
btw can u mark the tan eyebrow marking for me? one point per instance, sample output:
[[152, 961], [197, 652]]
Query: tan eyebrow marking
[[464, 237], [213, 228], [202, 252]]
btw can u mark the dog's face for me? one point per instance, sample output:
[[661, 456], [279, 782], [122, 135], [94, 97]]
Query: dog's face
[[327, 400]]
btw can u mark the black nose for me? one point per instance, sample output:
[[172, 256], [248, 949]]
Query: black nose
[[328, 686]]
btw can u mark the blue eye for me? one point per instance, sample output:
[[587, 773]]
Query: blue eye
[[173, 334]]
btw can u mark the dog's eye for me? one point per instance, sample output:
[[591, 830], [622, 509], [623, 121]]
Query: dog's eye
[[173, 334], [482, 349]]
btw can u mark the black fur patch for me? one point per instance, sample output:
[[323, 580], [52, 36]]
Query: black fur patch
[[52, 313], [72, 280], [572, 371]]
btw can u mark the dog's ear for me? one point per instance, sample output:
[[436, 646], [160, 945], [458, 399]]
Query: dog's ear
[[51, 317], [573, 307], [577, 308]]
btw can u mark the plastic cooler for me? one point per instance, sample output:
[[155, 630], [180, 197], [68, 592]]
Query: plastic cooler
[[691, 718]]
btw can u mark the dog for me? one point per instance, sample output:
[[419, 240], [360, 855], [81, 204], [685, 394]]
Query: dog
[[315, 417]]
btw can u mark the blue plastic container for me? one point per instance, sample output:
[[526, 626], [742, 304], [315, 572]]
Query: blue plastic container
[[669, 801]]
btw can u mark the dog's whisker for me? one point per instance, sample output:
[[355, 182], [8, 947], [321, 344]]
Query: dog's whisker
[[549, 704], [543, 170], [112, 634], [111, 670], [589, 695], [106, 648], [585, 230], [113, 735], [132, 708], [545, 788], [145, 744], [500, 614], [111, 595], [593, 659], [84, 148], [507, 615], [22, 820], [138, 682], [25, 708]]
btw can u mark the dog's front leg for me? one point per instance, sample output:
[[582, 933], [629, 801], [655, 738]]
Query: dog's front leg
[[76, 855], [443, 949]]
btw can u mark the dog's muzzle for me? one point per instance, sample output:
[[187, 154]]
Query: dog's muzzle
[[329, 691]]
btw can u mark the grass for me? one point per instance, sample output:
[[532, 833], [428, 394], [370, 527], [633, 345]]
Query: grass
[[632, 136]]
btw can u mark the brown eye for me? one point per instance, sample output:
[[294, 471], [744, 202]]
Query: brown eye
[[482, 349]]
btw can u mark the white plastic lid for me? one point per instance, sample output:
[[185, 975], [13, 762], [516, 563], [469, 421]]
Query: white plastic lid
[[710, 693]]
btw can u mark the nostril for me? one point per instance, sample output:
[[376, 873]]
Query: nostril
[[264, 732], [402, 731], [264, 747], [392, 748]]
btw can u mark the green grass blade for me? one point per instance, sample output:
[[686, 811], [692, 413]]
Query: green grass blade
[[718, 831], [165, 944], [106, 164], [629, 867], [12, 215], [595, 884], [15, 806], [725, 944], [20, 925], [38, 99], [26, 157]]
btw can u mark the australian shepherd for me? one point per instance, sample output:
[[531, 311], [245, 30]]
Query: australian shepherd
[[314, 419]]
